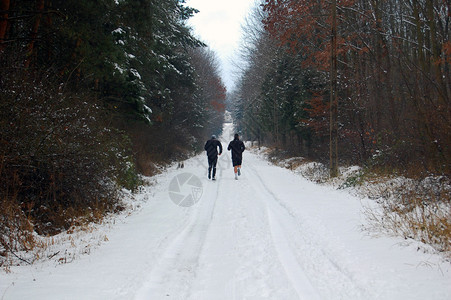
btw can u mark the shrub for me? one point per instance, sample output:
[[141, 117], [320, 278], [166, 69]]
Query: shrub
[[418, 210]]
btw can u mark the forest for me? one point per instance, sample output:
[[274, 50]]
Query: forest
[[365, 80], [328, 86], [95, 94]]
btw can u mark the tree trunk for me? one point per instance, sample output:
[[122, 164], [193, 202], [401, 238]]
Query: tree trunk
[[436, 49], [333, 152], [4, 7], [34, 32]]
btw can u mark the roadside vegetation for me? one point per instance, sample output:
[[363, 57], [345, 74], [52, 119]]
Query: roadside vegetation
[[92, 97], [367, 80], [414, 208]]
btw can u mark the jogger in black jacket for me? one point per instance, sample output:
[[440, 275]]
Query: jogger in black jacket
[[212, 153], [237, 148]]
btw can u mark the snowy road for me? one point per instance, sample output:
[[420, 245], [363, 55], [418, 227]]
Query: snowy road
[[269, 235]]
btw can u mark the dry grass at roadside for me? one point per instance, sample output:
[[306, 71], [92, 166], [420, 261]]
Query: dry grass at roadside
[[418, 212], [20, 245]]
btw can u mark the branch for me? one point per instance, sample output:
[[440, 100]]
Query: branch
[[13, 253]]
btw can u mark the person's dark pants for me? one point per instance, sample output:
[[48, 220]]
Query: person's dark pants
[[212, 161]]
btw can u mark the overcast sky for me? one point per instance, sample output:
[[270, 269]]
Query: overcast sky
[[218, 24]]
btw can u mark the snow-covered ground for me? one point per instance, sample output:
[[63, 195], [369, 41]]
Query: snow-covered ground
[[269, 235]]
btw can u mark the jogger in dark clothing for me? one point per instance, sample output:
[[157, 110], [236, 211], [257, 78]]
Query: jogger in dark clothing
[[212, 152], [237, 148]]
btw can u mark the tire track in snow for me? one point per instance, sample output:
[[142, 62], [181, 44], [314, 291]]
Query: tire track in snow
[[299, 280], [238, 257], [179, 261], [304, 250]]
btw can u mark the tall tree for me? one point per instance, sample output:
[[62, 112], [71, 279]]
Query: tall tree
[[333, 152], [4, 8]]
